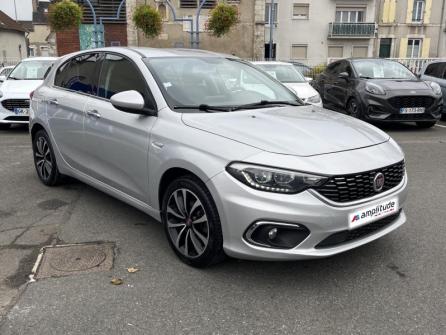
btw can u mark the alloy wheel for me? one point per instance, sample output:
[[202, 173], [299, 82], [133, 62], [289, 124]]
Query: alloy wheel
[[43, 158], [187, 223], [353, 108]]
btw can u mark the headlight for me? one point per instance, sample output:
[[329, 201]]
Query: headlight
[[374, 89], [273, 179], [1, 94], [435, 87], [315, 99]]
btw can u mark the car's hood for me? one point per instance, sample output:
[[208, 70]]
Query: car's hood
[[395, 84], [301, 131], [20, 86], [303, 90]]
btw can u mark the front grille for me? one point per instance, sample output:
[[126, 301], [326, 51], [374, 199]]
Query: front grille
[[412, 101], [352, 187], [346, 236], [10, 104], [17, 118]]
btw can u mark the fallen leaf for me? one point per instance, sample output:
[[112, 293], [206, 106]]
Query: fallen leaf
[[132, 270], [116, 281]]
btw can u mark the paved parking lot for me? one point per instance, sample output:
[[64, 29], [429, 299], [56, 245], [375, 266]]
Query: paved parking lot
[[395, 285]]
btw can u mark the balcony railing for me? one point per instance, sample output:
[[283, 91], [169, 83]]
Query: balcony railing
[[351, 30]]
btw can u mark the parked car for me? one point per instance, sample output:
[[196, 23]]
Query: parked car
[[288, 75], [305, 70], [4, 72], [379, 90], [436, 72], [191, 138], [15, 91]]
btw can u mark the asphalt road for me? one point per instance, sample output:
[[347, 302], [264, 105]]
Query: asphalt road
[[395, 285]]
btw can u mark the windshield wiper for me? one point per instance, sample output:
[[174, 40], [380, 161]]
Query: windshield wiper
[[365, 77], [13, 78], [205, 108], [265, 103]]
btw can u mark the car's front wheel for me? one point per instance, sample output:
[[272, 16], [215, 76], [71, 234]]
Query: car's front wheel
[[44, 160], [354, 109], [426, 124], [192, 223]]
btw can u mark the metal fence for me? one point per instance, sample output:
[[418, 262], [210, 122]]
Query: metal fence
[[8, 61]]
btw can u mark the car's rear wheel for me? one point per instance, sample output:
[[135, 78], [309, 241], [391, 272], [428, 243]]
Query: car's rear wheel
[[44, 160], [4, 126], [354, 109], [426, 124], [192, 223]]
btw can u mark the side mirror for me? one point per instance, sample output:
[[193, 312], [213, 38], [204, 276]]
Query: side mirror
[[2, 79], [129, 102], [343, 75], [308, 79]]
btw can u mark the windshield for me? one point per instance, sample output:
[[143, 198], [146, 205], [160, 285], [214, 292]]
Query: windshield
[[212, 81], [381, 69], [283, 73], [30, 70]]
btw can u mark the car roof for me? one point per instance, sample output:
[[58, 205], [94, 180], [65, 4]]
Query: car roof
[[38, 58], [271, 62]]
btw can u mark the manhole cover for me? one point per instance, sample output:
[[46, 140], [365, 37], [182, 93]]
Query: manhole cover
[[64, 260]]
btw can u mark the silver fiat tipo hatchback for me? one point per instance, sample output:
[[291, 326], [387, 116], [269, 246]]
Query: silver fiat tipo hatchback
[[225, 156]]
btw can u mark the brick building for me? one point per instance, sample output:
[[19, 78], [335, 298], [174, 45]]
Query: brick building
[[112, 29]]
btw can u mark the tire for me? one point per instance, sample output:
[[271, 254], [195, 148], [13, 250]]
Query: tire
[[426, 124], [4, 126], [45, 160], [195, 233], [354, 109]]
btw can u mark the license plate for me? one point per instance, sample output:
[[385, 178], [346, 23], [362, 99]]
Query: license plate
[[369, 214], [21, 111], [412, 110]]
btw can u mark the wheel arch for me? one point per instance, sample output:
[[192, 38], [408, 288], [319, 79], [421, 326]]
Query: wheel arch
[[35, 128]]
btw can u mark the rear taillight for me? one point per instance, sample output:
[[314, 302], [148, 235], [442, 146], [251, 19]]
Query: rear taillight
[[31, 95]]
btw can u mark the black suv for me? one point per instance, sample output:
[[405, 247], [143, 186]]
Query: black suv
[[379, 90]]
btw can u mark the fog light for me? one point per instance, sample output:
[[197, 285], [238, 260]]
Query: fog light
[[272, 234], [276, 234]]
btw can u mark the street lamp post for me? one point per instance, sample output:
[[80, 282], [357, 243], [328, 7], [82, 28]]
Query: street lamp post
[[271, 29]]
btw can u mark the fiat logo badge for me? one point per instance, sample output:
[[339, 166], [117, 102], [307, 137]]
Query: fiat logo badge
[[378, 182]]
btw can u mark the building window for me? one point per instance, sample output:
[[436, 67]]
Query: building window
[[418, 11], [413, 48], [350, 15], [301, 11], [385, 47], [299, 51], [269, 15], [188, 3], [335, 51], [360, 51]]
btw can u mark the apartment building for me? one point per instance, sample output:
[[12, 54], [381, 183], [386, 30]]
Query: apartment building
[[411, 28], [314, 31], [246, 40]]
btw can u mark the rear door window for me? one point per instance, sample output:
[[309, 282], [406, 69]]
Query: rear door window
[[79, 74]]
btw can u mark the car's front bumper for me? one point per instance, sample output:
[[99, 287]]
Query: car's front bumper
[[379, 108], [8, 116], [241, 206]]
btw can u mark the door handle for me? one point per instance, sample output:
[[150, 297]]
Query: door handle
[[94, 113], [52, 101]]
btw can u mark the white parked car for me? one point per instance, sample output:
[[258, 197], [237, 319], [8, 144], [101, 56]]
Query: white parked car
[[15, 90], [288, 75]]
